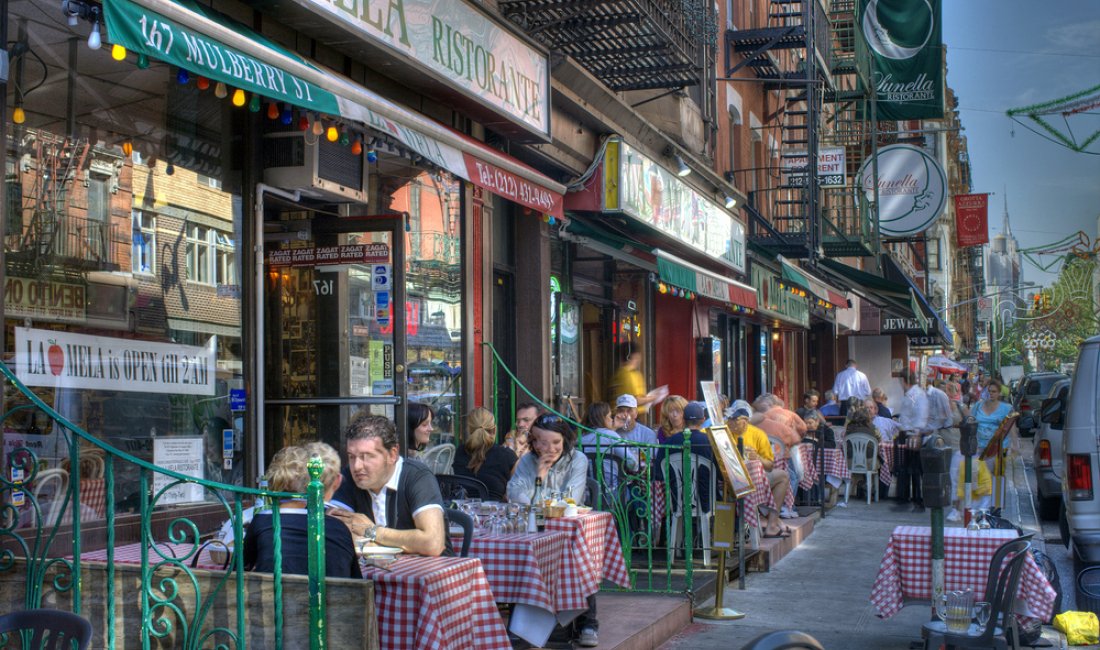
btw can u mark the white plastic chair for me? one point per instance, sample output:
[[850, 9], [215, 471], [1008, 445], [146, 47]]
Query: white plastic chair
[[439, 458], [862, 452], [676, 465], [49, 492]]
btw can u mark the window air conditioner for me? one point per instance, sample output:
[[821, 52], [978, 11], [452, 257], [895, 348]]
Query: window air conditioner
[[299, 160]]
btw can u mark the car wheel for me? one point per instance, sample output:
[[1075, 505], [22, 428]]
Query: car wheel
[[1048, 507]]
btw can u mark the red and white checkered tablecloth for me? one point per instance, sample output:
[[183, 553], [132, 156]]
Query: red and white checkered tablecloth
[[93, 493], [835, 465], [436, 602], [131, 554], [592, 554], [761, 494], [906, 571], [886, 462], [522, 567]]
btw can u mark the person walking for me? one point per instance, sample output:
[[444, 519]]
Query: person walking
[[851, 382], [913, 421]]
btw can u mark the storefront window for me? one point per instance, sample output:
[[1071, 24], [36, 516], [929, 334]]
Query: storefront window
[[123, 308], [433, 311]]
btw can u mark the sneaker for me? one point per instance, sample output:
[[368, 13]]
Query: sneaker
[[954, 516], [787, 513], [842, 504], [588, 638]]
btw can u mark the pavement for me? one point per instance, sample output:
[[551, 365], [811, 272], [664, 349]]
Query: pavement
[[823, 587]]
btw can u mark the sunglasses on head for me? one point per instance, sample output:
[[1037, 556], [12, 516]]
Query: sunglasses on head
[[546, 421]]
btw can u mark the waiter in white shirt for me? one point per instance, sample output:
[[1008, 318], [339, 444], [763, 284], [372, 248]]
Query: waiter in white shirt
[[850, 383], [913, 420]]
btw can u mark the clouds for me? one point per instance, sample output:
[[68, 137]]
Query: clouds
[[1074, 37]]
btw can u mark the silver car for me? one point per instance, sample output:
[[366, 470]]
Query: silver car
[[1047, 458]]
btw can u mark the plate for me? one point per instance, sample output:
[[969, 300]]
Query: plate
[[367, 550]]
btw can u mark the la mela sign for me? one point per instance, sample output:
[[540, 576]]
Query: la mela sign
[[66, 360]]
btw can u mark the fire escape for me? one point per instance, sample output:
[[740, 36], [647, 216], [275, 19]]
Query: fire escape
[[814, 60], [53, 241]]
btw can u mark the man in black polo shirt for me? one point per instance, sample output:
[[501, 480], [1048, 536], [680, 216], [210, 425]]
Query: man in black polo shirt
[[396, 501]]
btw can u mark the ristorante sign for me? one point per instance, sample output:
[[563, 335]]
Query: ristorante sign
[[906, 42], [458, 45]]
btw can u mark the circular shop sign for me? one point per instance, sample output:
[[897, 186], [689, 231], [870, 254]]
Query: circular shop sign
[[912, 189]]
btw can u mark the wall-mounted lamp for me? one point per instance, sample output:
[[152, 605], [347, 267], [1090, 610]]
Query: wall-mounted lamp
[[730, 202], [681, 167]]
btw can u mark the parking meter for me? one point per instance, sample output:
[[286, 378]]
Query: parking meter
[[968, 436]]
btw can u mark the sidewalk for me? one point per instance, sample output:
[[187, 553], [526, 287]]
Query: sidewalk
[[823, 587]]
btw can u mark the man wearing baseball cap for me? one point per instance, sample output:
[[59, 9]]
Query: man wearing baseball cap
[[695, 413], [626, 421]]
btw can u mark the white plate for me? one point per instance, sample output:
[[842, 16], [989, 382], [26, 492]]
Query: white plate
[[369, 550]]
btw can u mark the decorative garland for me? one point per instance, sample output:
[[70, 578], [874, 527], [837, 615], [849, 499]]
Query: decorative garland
[[1065, 107]]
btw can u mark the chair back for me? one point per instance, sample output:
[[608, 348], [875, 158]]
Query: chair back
[[439, 458], [463, 520], [784, 640], [779, 448], [861, 450], [612, 465], [676, 473], [64, 628], [1006, 551], [1000, 591], [49, 492], [461, 487]]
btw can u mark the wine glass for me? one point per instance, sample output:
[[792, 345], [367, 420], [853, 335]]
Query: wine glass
[[973, 526], [982, 610], [941, 608]]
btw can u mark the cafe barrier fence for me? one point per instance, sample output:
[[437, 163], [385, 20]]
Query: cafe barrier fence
[[635, 486], [41, 534]]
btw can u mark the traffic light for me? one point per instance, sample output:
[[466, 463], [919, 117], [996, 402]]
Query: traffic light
[[1036, 301]]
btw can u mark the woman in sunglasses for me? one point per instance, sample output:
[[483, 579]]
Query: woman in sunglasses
[[555, 465]]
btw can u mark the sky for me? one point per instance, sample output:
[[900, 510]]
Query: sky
[[1004, 54]]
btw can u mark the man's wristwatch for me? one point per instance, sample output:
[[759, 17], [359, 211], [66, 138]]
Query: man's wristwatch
[[370, 533]]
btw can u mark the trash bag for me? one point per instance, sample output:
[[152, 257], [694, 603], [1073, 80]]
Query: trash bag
[[1080, 628]]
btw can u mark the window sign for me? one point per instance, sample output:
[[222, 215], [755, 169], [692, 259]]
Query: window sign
[[181, 455]]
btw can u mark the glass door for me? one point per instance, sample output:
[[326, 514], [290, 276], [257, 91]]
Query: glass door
[[334, 325]]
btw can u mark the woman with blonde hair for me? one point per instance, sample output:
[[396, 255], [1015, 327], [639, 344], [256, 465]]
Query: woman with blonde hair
[[672, 417], [480, 457], [289, 472]]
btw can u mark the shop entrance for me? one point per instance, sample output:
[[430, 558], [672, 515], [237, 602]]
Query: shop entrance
[[334, 324]]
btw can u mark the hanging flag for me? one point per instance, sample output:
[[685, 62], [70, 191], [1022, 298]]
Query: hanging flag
[[906, 42], [971, 219]]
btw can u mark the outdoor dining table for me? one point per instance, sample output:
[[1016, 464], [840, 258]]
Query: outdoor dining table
[[436, 602], [906, 570], [131, 554]]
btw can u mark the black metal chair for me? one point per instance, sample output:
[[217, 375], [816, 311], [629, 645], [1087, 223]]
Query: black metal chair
[[461, 487], [459, 518], [62, 627], [1001, 631], [784, 640]]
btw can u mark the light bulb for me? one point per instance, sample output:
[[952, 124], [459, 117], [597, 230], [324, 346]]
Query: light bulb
[[220, 91], [318, 128], [356, 147], [287, 116], [95, 41], [118, 53], [142, 62], [182, 76], [303, 123], [202, 83], [254, 104], [238, 98], [272, 111], [333, 134], [18, 115], [170, 169], [128, 148], [372, 156]]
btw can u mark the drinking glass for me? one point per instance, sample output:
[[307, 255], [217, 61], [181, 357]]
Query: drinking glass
[[984, 523], [973, 526], [982, 610]]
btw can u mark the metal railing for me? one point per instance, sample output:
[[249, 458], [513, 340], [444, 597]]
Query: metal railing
[[34, 534], [637, 492]]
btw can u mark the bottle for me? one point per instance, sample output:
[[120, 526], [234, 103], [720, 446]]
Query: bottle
[[538, 513], [260, 499]]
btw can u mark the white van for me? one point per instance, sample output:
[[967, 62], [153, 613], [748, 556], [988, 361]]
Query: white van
[[1080, 414]]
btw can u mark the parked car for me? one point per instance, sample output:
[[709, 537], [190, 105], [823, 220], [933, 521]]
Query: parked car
[[1047, 458], [1079, 414], [1034, 387]]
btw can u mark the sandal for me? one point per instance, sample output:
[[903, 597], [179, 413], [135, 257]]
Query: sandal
[[779, 535]]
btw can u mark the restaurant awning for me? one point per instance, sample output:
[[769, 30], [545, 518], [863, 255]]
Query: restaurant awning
[[681, 273], [204, 42], [795, 274]]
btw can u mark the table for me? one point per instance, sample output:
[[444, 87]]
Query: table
[[906, 570], [591, 555], [131, 554], [436, 602], [760, 496]]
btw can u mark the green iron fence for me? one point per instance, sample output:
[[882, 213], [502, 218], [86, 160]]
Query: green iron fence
[[634, 487], [34, 537]]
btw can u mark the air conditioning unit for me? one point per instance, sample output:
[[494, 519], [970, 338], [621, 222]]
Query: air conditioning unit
[[299, 160]]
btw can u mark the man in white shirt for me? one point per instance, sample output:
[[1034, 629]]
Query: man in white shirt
[[887, 428], [850, 383], [913, 420]]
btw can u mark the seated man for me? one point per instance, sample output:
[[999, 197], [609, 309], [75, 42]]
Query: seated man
[[759, 448], [695, 414], [396, 500], [830, 408]]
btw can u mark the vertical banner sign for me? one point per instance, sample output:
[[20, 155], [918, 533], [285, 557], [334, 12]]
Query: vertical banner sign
[[971, 219], [906, 42]]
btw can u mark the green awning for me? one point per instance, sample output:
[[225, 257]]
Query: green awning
[[686, 275], [673, 273]]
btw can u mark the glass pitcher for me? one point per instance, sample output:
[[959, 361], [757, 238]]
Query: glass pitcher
[[956, 608]]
